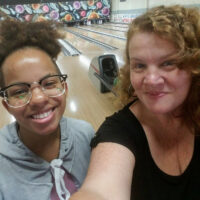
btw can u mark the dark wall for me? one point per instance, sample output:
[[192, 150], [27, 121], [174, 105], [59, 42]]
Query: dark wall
[[59, 11], [15, 2]]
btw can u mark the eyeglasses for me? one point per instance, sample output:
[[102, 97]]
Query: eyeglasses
[[19, 94]]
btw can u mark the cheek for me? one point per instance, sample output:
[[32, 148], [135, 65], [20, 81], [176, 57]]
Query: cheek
[[62, 102], [18, 113], [184, 82], [185, 87], [135, 81]]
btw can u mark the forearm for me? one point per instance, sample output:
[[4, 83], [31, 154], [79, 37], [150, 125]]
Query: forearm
[[110, 174], [86, 195]]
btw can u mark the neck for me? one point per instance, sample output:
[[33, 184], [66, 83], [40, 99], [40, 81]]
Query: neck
[[172, 126], [46, 147]]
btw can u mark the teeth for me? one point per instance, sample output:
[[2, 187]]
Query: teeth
[[41, 116]]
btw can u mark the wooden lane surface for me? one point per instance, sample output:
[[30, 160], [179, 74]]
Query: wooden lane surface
[[116, 24], [120, 26], [84, 101], [114, 28], [106, 31], [102, 38], [90, 50], [83, 45]]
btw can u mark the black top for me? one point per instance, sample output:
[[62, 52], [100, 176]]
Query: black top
[[149, 182]]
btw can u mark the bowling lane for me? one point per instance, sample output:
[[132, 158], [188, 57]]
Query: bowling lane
[[90, 50], [117, 24], [117, 28], [5, 117], [82, 45], [103, 30], [123, 30], [112, 25], [84, 101], [103, 38]]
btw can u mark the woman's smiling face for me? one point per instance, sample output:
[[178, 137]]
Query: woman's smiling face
[[42, 114], [159, 84]]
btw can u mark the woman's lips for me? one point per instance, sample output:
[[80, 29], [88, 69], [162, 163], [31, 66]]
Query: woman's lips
[[156, 94]]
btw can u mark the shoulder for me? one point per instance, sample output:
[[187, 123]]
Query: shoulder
[[9, 133], [122, 128], [8, 128], [123, 119], [6, 171], [77, 127]]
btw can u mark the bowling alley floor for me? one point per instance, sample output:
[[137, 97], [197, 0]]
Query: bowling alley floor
[[84, 101]]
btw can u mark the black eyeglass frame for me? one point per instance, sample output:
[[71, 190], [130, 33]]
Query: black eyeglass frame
[[2, 90]]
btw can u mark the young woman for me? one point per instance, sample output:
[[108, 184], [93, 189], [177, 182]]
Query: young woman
[[150, 149], [43, 155]]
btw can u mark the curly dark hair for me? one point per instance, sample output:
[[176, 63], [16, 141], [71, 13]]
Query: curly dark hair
[[181, 26], [15, 35]]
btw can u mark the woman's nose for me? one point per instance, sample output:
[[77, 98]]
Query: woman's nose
[[38, 97], [153, 79]]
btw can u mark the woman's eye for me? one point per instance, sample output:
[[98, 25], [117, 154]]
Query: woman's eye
[[169, 64], [49, 84], [137, 67], [18, 93]]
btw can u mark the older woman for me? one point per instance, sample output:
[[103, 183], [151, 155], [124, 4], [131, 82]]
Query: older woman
[[150, 149]]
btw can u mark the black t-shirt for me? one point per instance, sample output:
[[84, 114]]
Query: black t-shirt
[[149, 182]]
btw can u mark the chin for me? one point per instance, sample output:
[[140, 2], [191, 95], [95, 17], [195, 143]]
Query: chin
[[160, 109], [46, 131]]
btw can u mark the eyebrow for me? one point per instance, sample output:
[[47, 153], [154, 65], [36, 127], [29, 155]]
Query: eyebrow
[[171, 55], [45, 76]]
